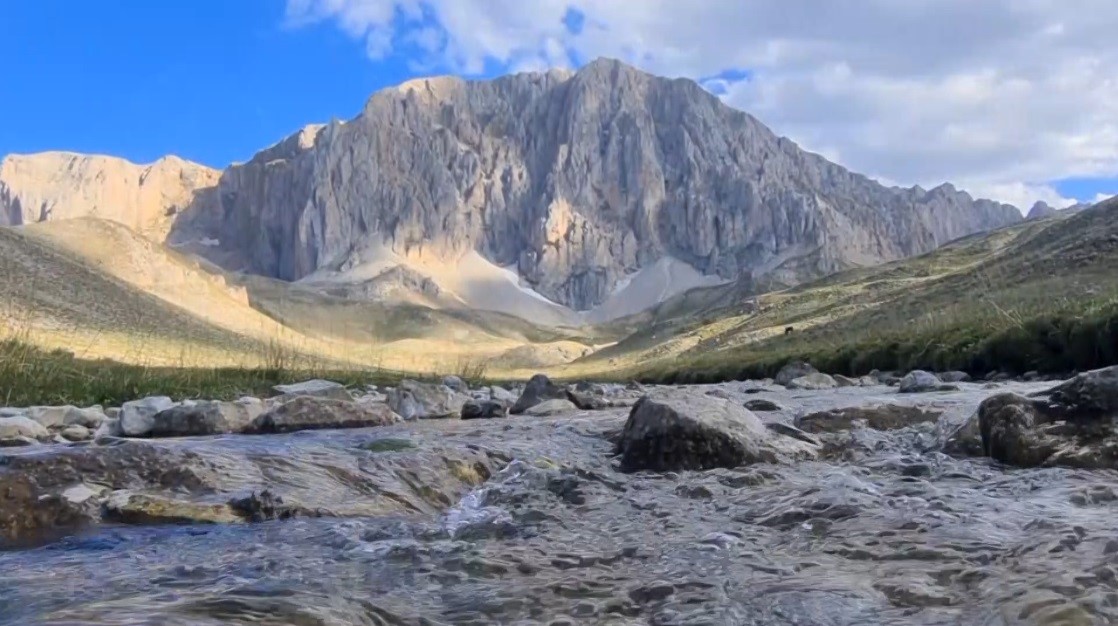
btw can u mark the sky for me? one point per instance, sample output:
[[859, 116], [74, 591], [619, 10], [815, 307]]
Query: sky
[[1015, 100]]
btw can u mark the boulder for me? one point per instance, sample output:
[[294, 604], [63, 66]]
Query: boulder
[[138, 417], [500, 394], [588, 402], [1094, 392], [455, 383], [76, 432], [1031, 433], [484, 409], [919, 381], [843, 381], [548, 408], [686, 431], [869, 381], [762, 405], [415, 400], [812, 382], [316, 388], [885, 417], [109, 428], [792, 371], [954, 377], [313, 413], [206, 418], [13, 428], [539, 389]]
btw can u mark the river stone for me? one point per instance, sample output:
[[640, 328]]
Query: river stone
[[1094, 392], [548, 408], [762, 405], [76, 432], [127, 507], [500, 394], [1029, 433], [138, 417], [415, 400], [686, 431], [59, 417], [588, 402], [206, 418], [954, 377], [919, 381], [539, 389], [317, 388], [792, 371], [886, 417], [22, 426], [109, 428], [813, 382], [843, 381], [455, 383], [964, 439], [312, 413], [483, 409]]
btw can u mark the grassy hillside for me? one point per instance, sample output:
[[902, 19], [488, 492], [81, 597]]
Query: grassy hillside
[[1037, 296]]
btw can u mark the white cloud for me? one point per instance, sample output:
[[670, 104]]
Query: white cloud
[[1102, 197], [1000, 96]]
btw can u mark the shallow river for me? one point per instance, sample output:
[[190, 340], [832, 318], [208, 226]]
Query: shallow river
[[888, 531]]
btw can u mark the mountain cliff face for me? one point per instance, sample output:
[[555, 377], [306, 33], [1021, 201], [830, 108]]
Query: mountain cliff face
[[578, 180], [59, 185]]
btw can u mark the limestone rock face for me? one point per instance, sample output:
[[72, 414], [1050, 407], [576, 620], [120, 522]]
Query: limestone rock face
[[575, 179], [60, 185]]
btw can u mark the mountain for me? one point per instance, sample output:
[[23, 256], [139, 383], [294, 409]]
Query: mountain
[[607, 189], [1040, 211], [52, 186]]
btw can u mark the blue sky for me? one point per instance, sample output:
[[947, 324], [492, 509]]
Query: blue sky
[[210, 80], [216, 80]]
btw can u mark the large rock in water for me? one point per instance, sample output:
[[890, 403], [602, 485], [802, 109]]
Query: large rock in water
[[887, 417], [919, 381], [13, 428], [792, 371], [311, 413], [138, 417], [206, 418], [1076, 428], [813, 382], [415, 400], [686, 431], [539, 389], [484, 409]]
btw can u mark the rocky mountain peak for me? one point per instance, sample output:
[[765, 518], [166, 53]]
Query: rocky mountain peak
[[577, 182]]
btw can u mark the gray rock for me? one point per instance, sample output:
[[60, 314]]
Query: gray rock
[[813, 382], [887, 417], [964, 439], [1031, 433], [313, 413], [919, 381], [588, 402], [12, 411], [59, 417], [500, 394], [206, 418], [317, 388], [539, 389], [109, 428], [762, 405], [512, 168], [455, 383], [22, 426], [954, 377], [138, 417], [843, 381], [1094, 392], [792, 371], [415, 400], [76, 432], [549, 408], [686, 431], [484, 409], [18, 441]]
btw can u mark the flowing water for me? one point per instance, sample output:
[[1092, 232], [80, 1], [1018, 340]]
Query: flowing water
[[887, 531]]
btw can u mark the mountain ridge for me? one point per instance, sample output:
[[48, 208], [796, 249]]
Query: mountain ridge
[[579, 180]]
